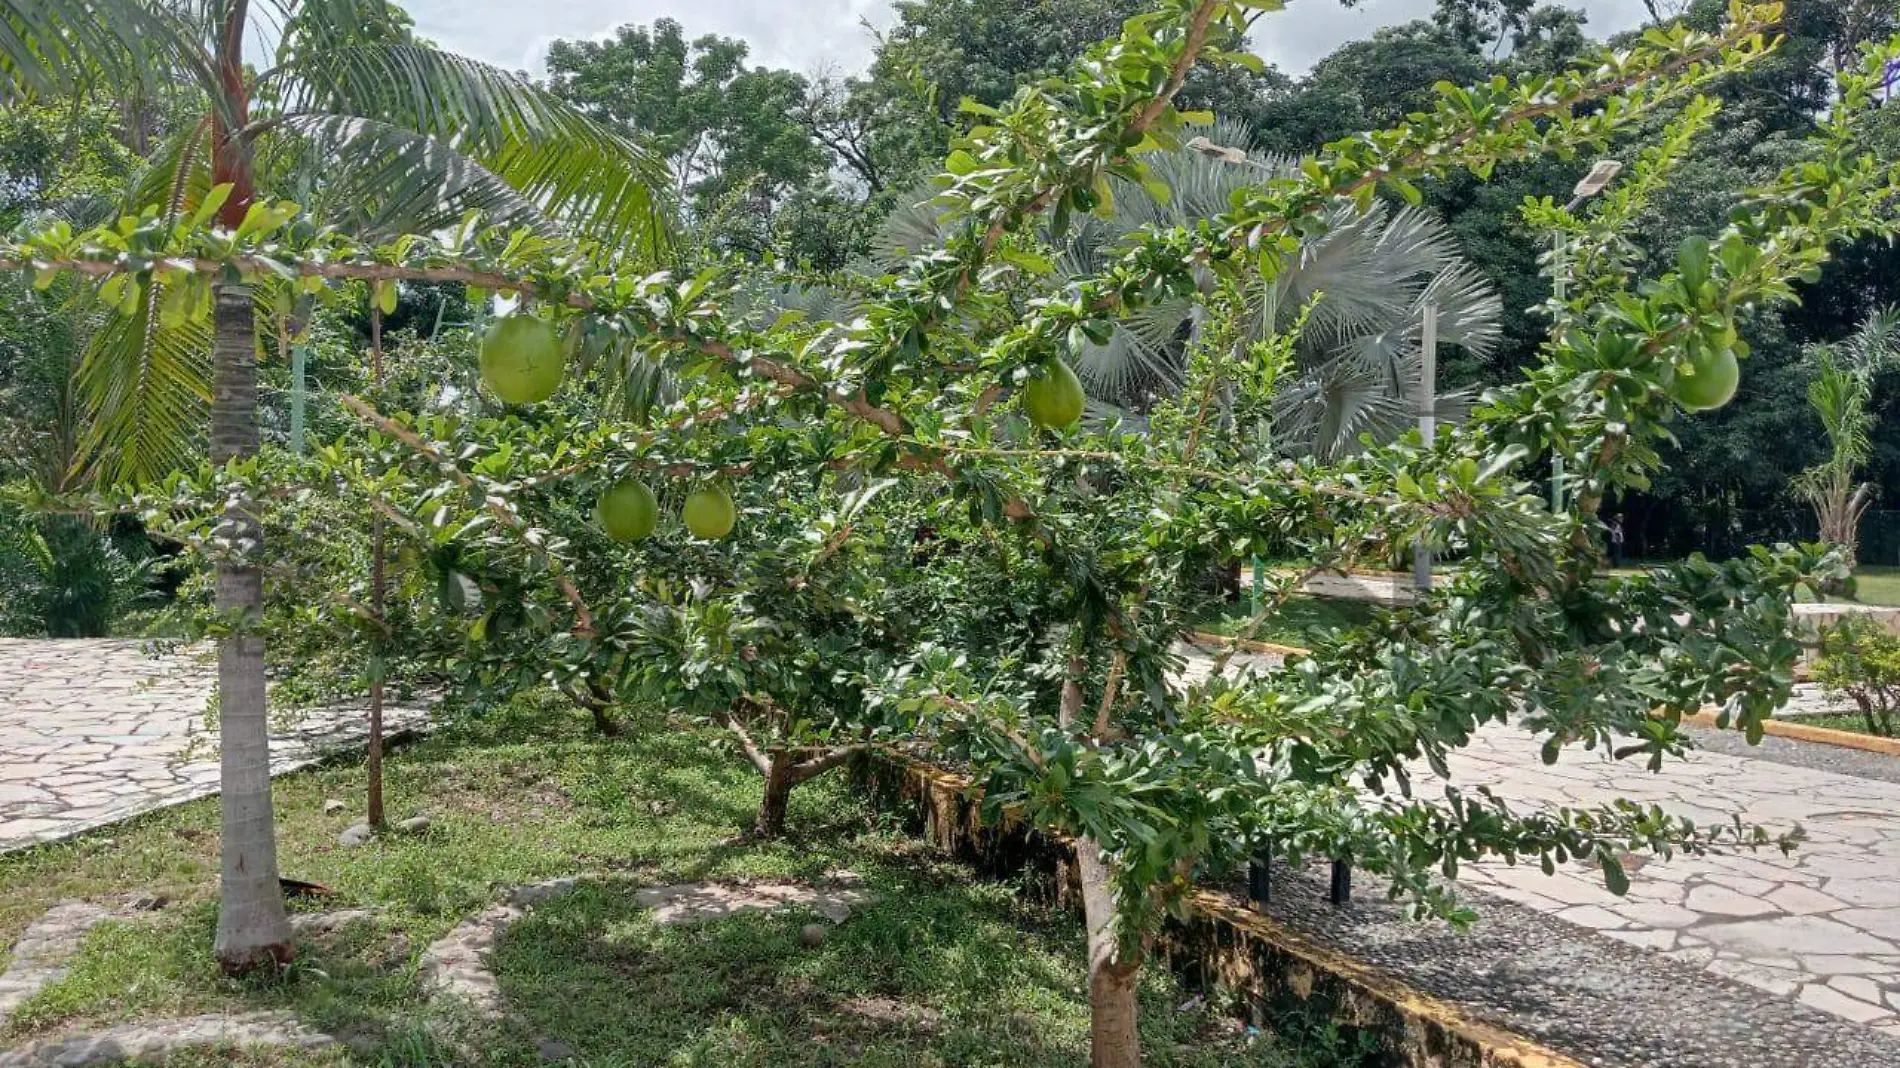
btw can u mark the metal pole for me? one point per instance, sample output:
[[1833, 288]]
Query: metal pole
[[298, 353], [1559, 274], [1427, 425]]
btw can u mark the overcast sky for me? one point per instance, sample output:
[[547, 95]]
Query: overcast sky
[[829, 35]]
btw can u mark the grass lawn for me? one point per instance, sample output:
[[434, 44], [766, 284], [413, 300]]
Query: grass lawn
[[1838, 721], [944, 969], [1295, 621]]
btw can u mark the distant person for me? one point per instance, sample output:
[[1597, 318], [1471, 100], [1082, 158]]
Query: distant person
[[1616, 541]]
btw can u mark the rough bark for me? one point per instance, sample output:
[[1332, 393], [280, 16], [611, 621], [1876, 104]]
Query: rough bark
[[1114, 1040], [599, 702], [252, 927], [779, 780]]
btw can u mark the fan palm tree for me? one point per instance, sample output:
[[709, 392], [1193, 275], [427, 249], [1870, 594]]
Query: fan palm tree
[[409, 138], [1368, 277], [1842, 387]]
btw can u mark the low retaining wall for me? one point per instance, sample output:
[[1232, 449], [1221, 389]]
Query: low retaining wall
[[1219, 944]]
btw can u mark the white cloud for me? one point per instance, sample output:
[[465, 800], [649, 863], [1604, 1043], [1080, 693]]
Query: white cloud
[[811, 35]]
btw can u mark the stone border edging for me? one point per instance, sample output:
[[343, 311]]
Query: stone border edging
[[1498, 1048], [149, 1039], [1223, 943], [43, 952]]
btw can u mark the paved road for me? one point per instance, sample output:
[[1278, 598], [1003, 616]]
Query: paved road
[[1821, 927], [94, 730]]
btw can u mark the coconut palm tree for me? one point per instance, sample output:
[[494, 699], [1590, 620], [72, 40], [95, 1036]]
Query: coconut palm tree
[[1842, 387], [409, 138], [1368, 278]]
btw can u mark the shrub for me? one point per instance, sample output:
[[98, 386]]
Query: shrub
[[1860, 659]]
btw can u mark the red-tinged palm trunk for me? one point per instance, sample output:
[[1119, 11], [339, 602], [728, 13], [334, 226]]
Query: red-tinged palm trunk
[[252, 927]]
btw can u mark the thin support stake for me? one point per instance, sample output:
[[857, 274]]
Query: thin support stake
[[1427, 426], [1260, 878], [1341, 890]]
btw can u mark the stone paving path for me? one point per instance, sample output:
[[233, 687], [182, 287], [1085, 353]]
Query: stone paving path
[[1821, 927], [93, 731]]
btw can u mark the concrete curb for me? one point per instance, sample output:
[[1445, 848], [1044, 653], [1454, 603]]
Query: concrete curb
[[1802, 732], [1221, 942]]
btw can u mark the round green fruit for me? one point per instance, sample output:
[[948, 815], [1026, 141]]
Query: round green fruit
[[522, 359], [1053, 398], [1716, 374], [627, 511], [709, 513]]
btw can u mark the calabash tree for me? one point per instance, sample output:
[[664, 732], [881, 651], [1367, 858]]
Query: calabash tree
[[410, 137], [1054, 691]]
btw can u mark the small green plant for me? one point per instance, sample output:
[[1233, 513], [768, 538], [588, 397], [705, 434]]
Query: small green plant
[[1860, 659]]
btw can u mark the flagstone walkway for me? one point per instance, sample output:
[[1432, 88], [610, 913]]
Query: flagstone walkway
[[93, 731], [1820, 927]]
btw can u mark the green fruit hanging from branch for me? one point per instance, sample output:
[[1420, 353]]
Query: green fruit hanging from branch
[[522, 359], [709, 513], [627, 511], [1709, 380], [1053, 398]]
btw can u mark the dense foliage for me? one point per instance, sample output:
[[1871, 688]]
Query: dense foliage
[[893, 538]]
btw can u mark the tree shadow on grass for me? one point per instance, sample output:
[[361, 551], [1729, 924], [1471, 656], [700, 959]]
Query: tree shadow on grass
[[932, 973], [911, 980]]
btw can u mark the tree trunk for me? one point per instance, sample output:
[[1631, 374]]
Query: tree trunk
[[1114, 1040], [598, 701], [779, 781], [252, 927]]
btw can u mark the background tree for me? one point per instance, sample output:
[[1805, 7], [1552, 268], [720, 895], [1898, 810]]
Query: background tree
[[1839, 393], [723, 127]]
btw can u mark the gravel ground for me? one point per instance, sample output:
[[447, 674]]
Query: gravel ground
[[1607, 1004]]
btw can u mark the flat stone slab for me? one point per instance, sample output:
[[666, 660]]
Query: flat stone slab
[[693, 902], [155, 1040], [1785, 925], [94, 731], [457, 963], [42, 952]]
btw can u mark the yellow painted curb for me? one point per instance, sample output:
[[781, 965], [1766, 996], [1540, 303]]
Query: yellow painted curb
[[1779, 728], [1801, 732], [1501, 1048]]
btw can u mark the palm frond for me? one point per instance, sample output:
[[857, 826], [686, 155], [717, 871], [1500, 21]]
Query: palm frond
[[177, 176], [146, 388], [604, 184], [59, 47], [378, 180], [1875, 343]]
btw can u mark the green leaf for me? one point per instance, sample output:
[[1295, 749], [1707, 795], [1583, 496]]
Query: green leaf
[[1615, 879]]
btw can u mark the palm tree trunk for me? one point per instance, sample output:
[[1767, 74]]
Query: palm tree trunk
[[252, 927]]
